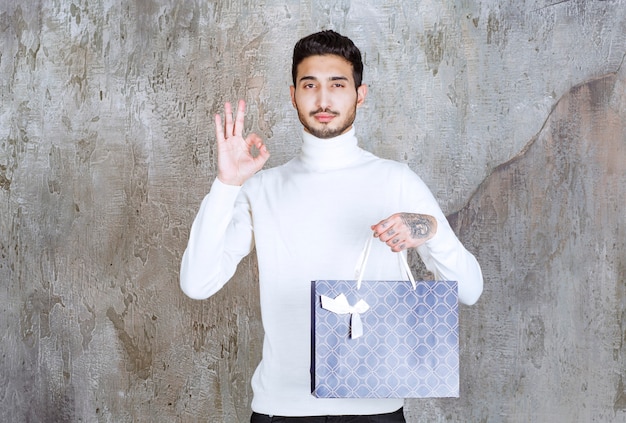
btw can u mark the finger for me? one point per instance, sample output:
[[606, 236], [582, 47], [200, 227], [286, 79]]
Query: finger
[[239, 119], [219, 129], [385, 230], [264, 153], [392, 236], [396, 242], [228, 116], [253, 140], [256, 141], [380, 228], [398, 247]]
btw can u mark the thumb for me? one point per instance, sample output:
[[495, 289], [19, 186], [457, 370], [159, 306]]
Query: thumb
[[263, 155]]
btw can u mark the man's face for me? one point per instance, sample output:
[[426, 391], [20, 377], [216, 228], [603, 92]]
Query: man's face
[[325, 97]]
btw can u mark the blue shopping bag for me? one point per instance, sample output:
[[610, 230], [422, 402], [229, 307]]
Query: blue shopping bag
[[384, 339]]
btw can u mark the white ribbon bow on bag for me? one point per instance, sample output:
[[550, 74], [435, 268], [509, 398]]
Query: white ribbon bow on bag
[[340, 305]]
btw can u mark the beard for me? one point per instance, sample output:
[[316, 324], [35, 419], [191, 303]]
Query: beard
[[336, 127]]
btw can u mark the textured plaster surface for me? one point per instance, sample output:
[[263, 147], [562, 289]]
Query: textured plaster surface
[[512, 111]]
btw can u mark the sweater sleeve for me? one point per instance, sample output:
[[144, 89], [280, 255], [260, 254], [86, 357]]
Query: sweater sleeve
[[444, 255], [447, 258], [221, 235]]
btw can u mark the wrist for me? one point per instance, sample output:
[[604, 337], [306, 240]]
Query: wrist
[[230, 180]]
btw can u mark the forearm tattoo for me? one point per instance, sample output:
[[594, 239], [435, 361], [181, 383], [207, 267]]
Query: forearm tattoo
[[420, 225]]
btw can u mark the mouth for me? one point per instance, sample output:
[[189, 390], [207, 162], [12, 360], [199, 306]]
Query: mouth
[[324, 116]]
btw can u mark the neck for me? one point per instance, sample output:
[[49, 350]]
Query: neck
[[328, 154]]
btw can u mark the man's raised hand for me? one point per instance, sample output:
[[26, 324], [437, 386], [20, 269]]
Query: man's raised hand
[[236, 160]]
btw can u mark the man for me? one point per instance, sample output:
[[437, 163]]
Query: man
[[309, 220]]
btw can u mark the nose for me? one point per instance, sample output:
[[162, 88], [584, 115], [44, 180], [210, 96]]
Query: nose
[[323, 98]]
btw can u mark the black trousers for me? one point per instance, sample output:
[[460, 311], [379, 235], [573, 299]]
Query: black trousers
[[395, 417]]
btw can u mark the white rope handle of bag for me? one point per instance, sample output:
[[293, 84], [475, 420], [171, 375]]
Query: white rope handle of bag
[[362, 261]]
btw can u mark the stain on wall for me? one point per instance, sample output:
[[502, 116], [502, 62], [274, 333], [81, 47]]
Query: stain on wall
[[552, 315], [512, 112]]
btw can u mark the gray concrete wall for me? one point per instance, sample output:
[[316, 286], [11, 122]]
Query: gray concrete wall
[[512, 111]]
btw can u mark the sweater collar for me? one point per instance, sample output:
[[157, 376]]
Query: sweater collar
[[329, 154]]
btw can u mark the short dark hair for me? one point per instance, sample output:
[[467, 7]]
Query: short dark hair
[[325, 43]]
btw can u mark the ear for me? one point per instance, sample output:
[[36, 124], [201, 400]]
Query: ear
[[361, 93], [292, 92]]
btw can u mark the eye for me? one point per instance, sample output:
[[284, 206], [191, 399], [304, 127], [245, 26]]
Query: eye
[[309, 85]]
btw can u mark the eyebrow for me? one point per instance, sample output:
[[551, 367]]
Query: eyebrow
[[332, 78]]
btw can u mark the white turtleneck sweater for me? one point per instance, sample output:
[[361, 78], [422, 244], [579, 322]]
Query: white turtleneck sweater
[[309, 220]]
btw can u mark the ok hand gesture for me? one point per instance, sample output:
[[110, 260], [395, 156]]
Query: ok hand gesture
[[236, 161]]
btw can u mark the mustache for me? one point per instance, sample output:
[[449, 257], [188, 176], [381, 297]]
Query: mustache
[[320, 110]]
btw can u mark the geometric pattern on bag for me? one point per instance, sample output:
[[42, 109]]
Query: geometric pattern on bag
[[409, 347]]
